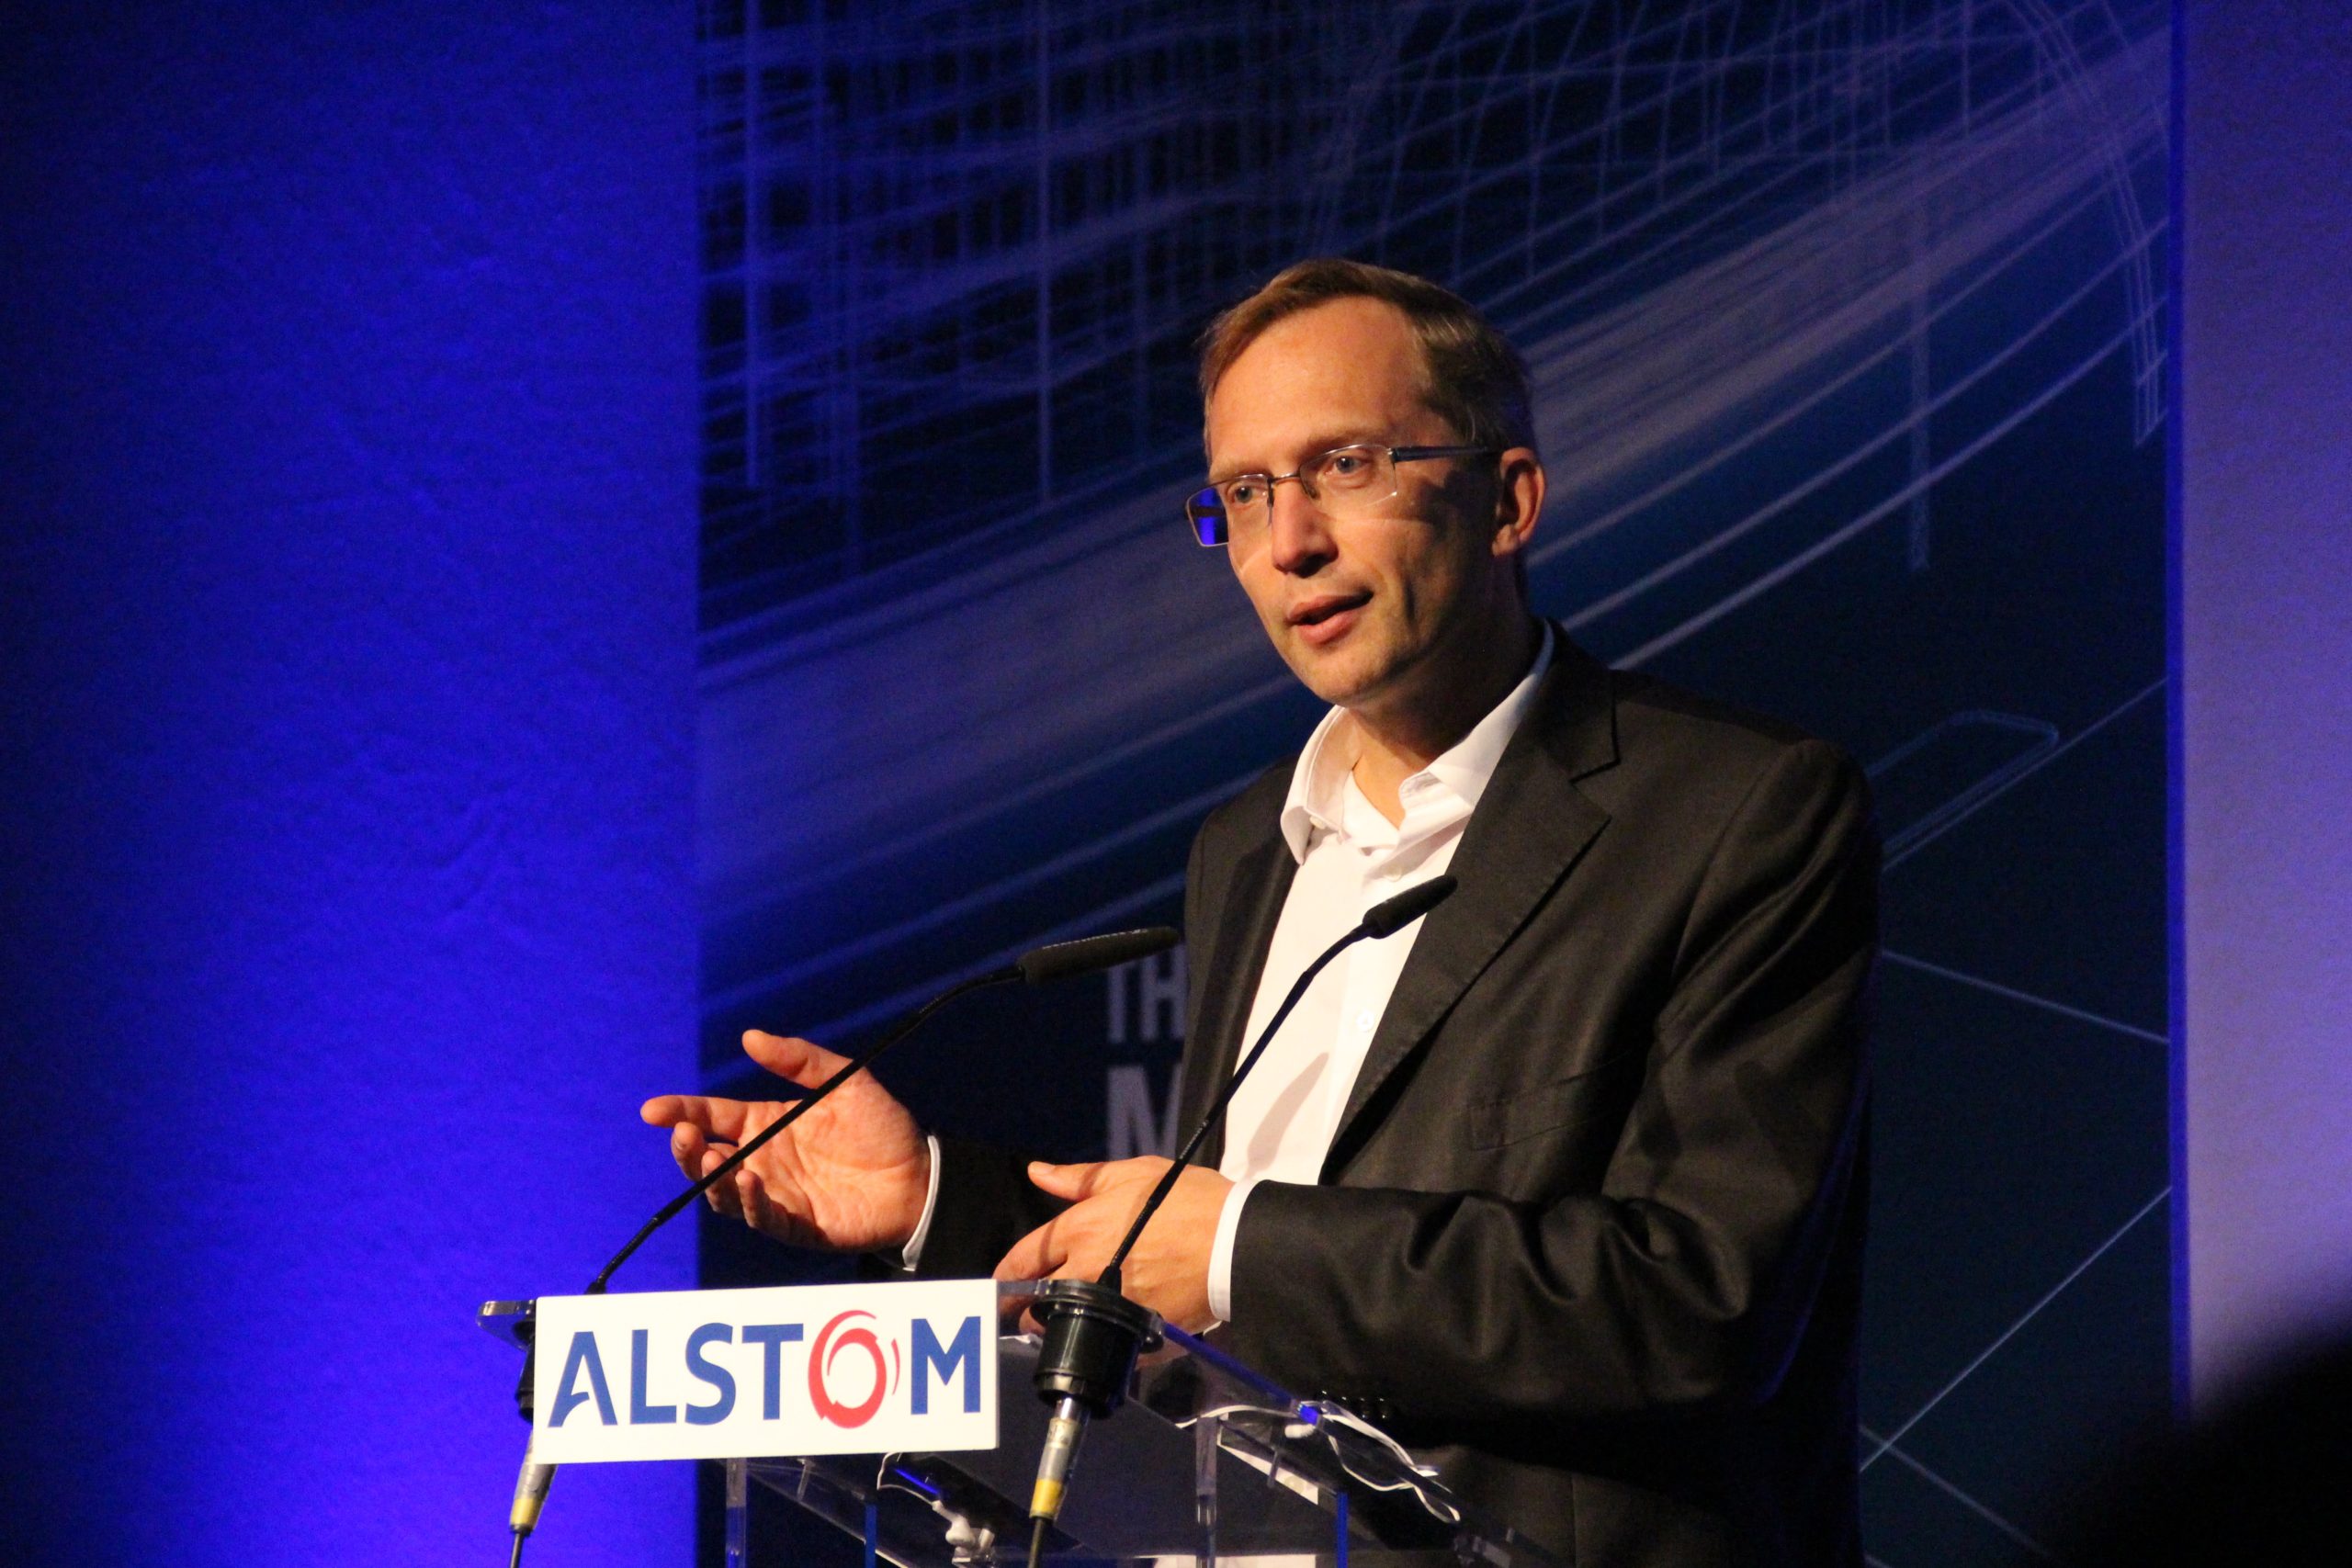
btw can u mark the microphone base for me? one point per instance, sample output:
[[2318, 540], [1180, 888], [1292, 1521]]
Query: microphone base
[[1093, 1337]]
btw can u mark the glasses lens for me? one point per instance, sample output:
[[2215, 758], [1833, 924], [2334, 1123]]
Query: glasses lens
[[1206, 510], [1352, 476]]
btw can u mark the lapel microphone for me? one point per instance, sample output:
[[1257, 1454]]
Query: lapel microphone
[[1092, 1331], [1054, 962]]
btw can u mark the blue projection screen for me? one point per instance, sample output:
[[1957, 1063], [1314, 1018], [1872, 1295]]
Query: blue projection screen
[[1848, 325]]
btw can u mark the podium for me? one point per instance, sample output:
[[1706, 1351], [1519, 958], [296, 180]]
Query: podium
[[1206, 1459]]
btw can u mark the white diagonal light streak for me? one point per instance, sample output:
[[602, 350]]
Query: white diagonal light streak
[[2009, 1333], [1965, 1501], [2010, 992], [2118, 711]]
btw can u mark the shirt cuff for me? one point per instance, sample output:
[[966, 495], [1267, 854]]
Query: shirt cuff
[[910, 1258], [1228, 1223]]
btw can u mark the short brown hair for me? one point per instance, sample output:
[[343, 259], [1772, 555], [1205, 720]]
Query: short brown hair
[[1474, 380]]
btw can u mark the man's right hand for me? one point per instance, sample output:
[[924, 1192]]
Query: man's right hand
[[851, 1176]]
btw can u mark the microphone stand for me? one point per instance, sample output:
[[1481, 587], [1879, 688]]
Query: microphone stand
[[1037, 966], [1093, 1334]]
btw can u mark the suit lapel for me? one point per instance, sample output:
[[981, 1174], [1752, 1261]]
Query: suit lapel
[[1245, 930], [1529, 829]]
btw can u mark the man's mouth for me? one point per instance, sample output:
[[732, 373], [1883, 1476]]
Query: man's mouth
[[1324, 619], [1315, 611]]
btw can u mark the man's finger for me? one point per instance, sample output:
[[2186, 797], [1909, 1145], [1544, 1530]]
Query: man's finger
[[686, 1144], [1072, 1181], [720, 1118], [751, 1196], [722, 1195], [788, 1056], [1033, 1257]]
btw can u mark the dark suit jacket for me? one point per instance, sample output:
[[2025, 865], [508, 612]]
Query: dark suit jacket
[[1589, 1234]]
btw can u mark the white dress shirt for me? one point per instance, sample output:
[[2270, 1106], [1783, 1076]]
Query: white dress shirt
[[1350, 857], [1286, 1113]]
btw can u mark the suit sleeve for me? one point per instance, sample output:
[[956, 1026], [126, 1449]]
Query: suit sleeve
[[1686, 1279], [985, 1200], [986, 1204]]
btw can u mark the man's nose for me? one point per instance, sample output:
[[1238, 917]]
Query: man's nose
[[1299, 533]]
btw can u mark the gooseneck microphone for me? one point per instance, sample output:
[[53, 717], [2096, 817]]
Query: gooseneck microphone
[[1092, 1331], [1385, 919], [1055, 961]]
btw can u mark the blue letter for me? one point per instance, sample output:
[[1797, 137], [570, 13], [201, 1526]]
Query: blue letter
[[774, 1335], [640, 1413], [582, 1354], [715, 1376], [963, 1352]]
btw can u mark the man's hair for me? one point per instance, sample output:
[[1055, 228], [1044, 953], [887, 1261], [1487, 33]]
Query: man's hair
[[1471, 377]]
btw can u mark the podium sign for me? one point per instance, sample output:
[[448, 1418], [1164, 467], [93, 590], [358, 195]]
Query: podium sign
[[792, 1369]]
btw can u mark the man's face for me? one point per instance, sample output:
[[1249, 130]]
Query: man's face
[[1371, 613]]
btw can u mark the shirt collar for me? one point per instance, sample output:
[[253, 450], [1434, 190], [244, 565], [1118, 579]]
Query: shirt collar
[[1318, 782]]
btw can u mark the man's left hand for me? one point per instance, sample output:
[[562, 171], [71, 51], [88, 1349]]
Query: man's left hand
[[1169, 1270]]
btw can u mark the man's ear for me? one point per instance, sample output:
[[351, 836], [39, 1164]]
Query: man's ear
[[1519, 500]]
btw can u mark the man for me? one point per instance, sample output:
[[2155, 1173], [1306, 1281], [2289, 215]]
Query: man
[[1563, 1185]]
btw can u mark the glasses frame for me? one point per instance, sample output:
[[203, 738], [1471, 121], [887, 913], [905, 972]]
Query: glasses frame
[[1204, 508]]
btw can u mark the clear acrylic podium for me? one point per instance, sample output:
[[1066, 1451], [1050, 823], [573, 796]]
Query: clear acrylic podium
[[1206, 1459]]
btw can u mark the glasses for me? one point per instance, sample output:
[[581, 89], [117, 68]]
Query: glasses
[[1346, 482]]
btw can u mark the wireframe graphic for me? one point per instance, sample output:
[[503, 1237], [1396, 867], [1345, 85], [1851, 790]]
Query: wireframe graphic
[[1846, 322]]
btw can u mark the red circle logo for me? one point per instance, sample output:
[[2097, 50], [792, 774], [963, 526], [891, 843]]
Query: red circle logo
[[832, 1340]]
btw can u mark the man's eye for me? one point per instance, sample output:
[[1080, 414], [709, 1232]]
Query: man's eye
[[1347, 465], [1242, 493]]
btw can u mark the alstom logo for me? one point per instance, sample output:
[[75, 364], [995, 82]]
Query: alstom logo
[[845, 1334], [868, 1367], [853, 1370]]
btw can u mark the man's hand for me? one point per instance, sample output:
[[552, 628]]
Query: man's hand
[[851, 1176], [1169, 1270]]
